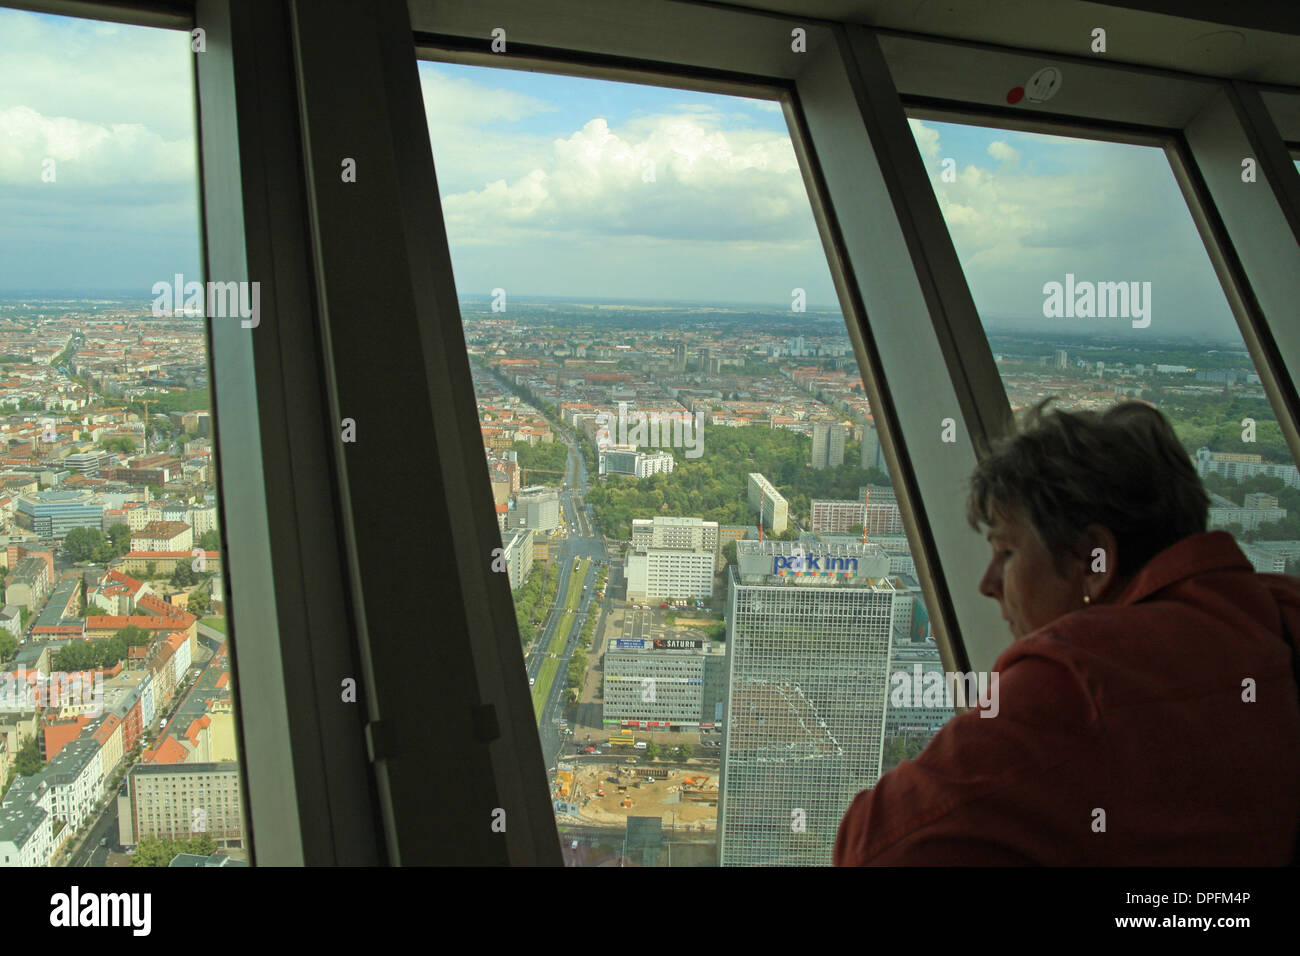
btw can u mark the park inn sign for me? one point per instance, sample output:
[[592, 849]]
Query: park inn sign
[[814, 565]]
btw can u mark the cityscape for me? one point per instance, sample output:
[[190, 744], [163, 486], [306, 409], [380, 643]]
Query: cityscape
[[713, 582]]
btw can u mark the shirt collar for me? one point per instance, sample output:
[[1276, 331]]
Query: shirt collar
[[1193, 555]]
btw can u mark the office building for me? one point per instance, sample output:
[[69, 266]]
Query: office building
[[809, 627], [537, 509], [52, 514], [659, 684], [179, 801]]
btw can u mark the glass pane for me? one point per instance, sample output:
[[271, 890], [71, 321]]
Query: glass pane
[[671, 413], [117, 736], [1086, 294]]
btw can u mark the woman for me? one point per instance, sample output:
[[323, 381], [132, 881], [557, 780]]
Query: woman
[[1148, 707]]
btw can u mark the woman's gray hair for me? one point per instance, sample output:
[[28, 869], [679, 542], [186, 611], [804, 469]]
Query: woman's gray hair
[[1123, 468]]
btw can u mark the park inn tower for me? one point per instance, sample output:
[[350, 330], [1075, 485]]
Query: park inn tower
[[808, 643]]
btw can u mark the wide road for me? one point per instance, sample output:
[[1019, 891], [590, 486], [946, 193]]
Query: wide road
[[584, 541]]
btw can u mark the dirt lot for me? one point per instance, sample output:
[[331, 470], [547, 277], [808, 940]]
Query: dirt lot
[[658, 798]]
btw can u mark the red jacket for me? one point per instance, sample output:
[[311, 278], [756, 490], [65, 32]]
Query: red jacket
[[1134, 708]]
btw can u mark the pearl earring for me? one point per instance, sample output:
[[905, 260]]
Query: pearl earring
[[1086, 599]]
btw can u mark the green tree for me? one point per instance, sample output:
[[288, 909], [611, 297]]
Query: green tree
[[81, 543], [133, 636], [119, 443], [29, 760], [152, 851], [183, 575], [150, 569], [119, 538], [198, 603], [210, 541], [652, 751], [687, 751], [8, 645]]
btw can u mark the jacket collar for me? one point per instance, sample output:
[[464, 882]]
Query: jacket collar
[[1193, 555]]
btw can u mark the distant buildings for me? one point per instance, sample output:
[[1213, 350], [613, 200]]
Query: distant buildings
[[518, 554], [828, 445], [671, 557], [883, 514], [1270, 557], [837, 517], [1239, 466], [537, 509], [180, 801], [1256, 509], [768, 503], [664, 683], [627, 460], [52, 514], [872, 454]]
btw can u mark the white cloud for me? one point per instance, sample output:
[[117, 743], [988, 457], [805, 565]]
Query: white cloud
[[707, 183], [1003, 153], [88, 154]]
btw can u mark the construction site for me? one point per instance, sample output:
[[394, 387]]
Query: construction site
[[607, 794]]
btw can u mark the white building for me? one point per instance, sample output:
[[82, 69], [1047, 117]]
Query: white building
[[76, 780], [1256, 509], [693, 534], [518, 555], [655, 684], [1239, 466], [769, 503], [27, 823], [537, 509]]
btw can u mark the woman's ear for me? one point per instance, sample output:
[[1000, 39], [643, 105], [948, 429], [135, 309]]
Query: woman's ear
[[1100, 561]]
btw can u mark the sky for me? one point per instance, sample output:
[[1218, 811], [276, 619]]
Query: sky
[[579, 188]]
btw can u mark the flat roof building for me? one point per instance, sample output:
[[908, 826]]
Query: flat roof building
[[809, 626]]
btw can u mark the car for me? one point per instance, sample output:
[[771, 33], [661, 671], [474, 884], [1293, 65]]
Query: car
[[532, 681], [663, 605]]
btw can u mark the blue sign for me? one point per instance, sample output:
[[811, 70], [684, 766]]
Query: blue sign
[[621, 642]]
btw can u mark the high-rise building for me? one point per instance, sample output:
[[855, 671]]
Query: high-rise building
[[1060, 359], [808, 637], [828, 445], [769, 503], [873, 456]]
